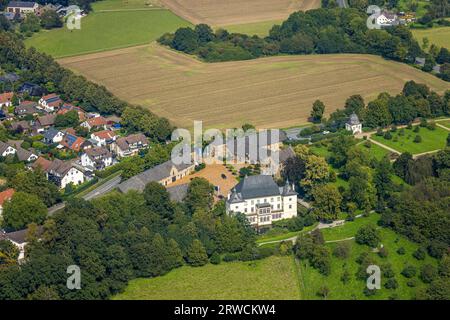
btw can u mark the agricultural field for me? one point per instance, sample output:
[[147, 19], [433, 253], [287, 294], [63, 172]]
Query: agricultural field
[[271, 278], [439, 36], [312, 280], [273, 92], [108, 30], [221, 13], [431, 140], [256, 28]]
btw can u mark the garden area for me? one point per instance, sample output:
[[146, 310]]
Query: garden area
[[414, 139]]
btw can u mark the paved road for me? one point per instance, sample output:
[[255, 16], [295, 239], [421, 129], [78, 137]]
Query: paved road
[[101, 190]]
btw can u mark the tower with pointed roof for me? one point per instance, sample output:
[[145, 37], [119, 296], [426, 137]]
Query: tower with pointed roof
[[353, 124]]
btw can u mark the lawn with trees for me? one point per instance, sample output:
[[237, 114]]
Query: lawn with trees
[[271, 278], [404, 140]]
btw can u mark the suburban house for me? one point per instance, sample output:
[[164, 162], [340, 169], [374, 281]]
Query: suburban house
[[73, 142], [262, 200], [18, 238], [103, 138], [26, 108], [50, 102], [387, 19], [44, 122], [53, 135], [6, 149], [129, 146], [31, 88], [5, 196], [165, 174], [6, 99], [60, 172], [22, 154], [22, 7], [66, 107], [96, 158], [95, 123], [22, 125], [353, 124]]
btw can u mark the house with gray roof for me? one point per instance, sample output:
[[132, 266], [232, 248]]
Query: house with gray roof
[[353, 124], [262, 201], [164, 173], [53, 135]]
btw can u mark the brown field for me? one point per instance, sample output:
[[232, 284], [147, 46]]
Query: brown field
[[228, 12], [274, 92]]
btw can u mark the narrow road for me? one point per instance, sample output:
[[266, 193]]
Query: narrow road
[[97, 192], [384, 146]]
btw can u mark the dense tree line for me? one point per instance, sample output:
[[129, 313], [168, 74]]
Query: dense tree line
[[122, 236], [43, 70]]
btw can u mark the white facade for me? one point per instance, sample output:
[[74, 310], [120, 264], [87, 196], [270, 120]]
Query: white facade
[[354, 128], [87, 162], [73, 176], [9, 151], [386, 20], [58, 137], [23, 10]]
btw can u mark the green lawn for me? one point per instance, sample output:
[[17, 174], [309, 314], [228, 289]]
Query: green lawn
[[124, 4], [431, 140], [102, 31], [312, 280], [445, 123], [259, 28], [271, 278], [375, 150], [439, 36]]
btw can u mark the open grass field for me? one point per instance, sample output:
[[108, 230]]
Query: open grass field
[[271, 278], [274, 92], [256, 28], [445, 123], [431, 140], [440, 36], [106, 5], [220, 13], [312, 281], [101, 31], [375, 150]]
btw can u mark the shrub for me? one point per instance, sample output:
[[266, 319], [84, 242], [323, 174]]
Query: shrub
[[428, 273], [401, 251], [420, 253], [391, 283], [265, 252], [387, 270], [437, 249], [387, 135], [401, 133], [379, 132], [383, 252], [412, 283], [342, 250], [368, 292], [215, 258], [416, 129], [368, 235], [418, 139], [409, 271], [230, 257]]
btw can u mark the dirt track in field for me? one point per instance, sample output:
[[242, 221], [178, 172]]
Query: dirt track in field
[[229, 12], [275, 92]]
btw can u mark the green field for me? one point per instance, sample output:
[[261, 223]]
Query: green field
[[445, 123], [439, 36], [259, 28], [312, 280], [375, 150], [431, 140], [124, 5], [271, 278], [101, 31]]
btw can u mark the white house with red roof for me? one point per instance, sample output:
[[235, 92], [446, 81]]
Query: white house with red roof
[[50, 103], [95, 123], [6, 99], [103, 138]]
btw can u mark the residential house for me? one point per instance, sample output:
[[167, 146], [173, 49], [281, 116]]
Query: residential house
[[130, 145], [22, 154], [50, 103], [4, 197], [353, 124], [53, 135], [73, 142], [6, 149], [22, 7], [6, 99], [96, 158], [103, 138], [387, 19], [95, 123], [262, 201], [60, 172], [31, 89], [66, 107], [26, 108], [44, 122], [165, 174], [21, 126], [18, 238]]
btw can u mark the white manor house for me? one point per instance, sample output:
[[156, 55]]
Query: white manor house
[[262, 200]]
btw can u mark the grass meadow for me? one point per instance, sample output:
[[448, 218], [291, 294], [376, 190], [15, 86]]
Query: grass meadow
[[439, 36], [431, 140]]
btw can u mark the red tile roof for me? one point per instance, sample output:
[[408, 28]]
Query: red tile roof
[[6, 97], [6, 195], [42, 163], [105, 134], [97, 122]]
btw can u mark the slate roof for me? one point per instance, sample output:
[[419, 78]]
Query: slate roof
[[21, 4], [51, 133], [156, 173], [47, 120], [3, 147], [96, 152], [354, 120], [257, 186], [26, 107], [19, 236]]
